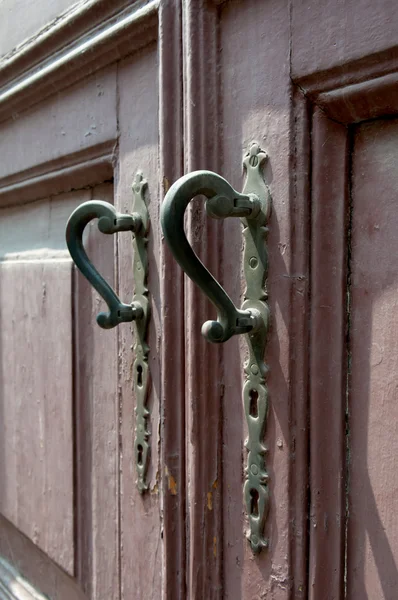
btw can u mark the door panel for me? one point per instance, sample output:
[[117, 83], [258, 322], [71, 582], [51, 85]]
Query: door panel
[[37, 374], [37, 490], [372, 403], [70, 421]]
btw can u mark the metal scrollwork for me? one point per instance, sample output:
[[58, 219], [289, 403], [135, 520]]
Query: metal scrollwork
[[141, 348], [255, 392]]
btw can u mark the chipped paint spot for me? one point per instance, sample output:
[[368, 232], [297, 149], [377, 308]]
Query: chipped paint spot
[[215, 484], [215, 546], [166, 185], [171, 482], [209, 500]]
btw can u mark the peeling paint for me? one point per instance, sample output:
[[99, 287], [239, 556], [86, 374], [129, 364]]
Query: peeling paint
[[172, 484], [209, 500]]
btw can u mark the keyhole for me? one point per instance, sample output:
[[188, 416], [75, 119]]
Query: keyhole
[[140, 450], [254, 496], [139, 375], [253, 410]]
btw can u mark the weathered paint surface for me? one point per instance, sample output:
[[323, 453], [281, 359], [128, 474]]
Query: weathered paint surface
[[218, 76], [37, 15], [373, 331]]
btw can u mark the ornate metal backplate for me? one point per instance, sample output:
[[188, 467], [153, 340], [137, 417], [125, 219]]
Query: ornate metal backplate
[[141, 349], [253, 206], [255, 392]]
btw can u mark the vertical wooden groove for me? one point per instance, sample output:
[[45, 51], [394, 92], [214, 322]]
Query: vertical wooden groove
[[299, 413], [328, 357], [82, 439], [172, 291], [204, 386], [348, 355]]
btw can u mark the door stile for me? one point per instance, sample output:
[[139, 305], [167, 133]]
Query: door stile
[[173, 422], [204, 384]]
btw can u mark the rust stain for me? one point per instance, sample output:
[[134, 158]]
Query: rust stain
[[215, 484], [215, 546], [209, 500], [171, 482]]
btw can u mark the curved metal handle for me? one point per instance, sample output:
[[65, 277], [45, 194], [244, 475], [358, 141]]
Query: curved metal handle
[[223, 201], [109, 221], [254, 208]]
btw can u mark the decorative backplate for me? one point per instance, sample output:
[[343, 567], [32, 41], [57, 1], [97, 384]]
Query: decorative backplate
[[255, 392], [253, 206], [141, 348]]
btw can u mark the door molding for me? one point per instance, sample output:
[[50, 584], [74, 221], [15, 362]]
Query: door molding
[[334, 101], [80, 42]]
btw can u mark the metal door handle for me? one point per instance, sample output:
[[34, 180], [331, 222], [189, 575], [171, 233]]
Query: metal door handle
[[110, 221], [253, 206]]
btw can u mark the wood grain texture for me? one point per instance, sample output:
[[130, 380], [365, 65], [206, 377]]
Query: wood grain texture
[[36, 403], [328, 356], [96, 422], [373, 431], [141, 541], [173, 432], [204, 370], [256, 105]]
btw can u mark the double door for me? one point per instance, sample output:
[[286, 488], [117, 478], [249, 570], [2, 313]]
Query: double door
[[166, 88]]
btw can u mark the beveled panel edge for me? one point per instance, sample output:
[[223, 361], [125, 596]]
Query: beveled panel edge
[[79, 44], [13, 586], [75, 171], [34, 566], [355, 92]]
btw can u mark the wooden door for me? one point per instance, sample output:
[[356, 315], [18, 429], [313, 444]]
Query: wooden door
[[105, 89], [79, 117]]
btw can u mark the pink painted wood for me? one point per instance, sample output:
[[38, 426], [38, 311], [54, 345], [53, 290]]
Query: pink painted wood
[[170, 87], [372, 536]]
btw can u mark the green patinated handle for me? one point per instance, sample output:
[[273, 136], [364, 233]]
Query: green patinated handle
[[223, 201], [253, 206], [109, 221]]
